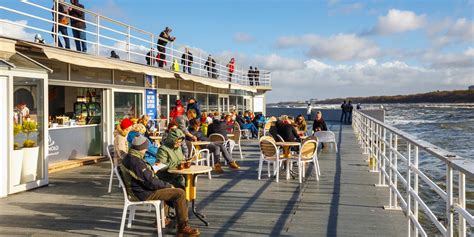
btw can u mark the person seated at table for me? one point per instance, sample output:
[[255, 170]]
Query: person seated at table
[[142, 184], [171, 154], [215, 148], [229, 123], [319, 124], [149, 125], [120, 140], [245, 122], [287, 131], [301, 125], [220, 128], [259, 121], [140, 129]]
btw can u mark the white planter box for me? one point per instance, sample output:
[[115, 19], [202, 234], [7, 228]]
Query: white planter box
[[30, 164], [16, 162]]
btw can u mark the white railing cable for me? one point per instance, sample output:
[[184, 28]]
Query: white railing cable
[[382, 142]]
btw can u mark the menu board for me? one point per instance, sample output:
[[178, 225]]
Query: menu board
[[151, 103]]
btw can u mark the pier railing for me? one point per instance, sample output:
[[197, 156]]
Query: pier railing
[[395, 156], [104, 34]]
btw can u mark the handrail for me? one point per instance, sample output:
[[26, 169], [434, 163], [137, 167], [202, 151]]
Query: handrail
[[382, 144], [106, 33]]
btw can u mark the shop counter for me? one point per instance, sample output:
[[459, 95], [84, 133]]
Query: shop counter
[[74, 142]]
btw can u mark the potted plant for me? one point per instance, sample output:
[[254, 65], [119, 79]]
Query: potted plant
[[30, 152], [16, 160]]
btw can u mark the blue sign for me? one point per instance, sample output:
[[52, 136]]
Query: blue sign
[[151, 104]]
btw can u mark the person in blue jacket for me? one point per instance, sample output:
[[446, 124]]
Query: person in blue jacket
[[150, 155]]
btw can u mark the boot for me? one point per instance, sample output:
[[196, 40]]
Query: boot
[[234, 165], [218, 169], [187, 230]]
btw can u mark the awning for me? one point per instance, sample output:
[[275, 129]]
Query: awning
[[88, 60], [203, 80], [234, 86]]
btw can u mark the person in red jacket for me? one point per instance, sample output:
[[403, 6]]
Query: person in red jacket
[[178, 110], [231, 66]]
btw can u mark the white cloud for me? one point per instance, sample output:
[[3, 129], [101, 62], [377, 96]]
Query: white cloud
[[15, 29], [340, 47], [448, 31], [398, 21], [241, 37]]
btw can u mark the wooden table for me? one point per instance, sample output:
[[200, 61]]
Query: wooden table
[[286, 153], [229, 135], [191, 176], [200, 143]]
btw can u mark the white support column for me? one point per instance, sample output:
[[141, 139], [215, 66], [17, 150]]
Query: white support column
[[449, 201], [4, 137], [408, 188], [395, 164], [462, 203], [415, 187]]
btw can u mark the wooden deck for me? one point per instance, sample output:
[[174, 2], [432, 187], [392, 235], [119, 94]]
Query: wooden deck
[[343, 203]]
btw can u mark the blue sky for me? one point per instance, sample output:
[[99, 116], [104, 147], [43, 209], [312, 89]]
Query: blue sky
[[322, 49]]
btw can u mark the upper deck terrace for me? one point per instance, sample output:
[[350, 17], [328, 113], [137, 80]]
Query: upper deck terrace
[[130, 43]]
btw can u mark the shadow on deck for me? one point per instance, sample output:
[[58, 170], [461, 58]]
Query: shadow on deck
[[343, 203]]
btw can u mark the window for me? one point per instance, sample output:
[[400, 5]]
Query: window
[[163, 100], [233, 103], [202, 100], [213, 102], [127, 105], [185, 96]]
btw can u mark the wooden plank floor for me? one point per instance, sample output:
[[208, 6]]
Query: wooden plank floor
[[343, 203]]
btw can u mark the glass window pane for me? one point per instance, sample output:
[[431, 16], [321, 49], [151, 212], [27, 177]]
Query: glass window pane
[[28, 134], [127, 105], [202, 100], [163, 100], [213, 102], [185, 96]]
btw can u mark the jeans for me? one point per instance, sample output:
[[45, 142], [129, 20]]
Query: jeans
[[216, 149], [252, 128], [349, 117], [186, 68], [177, 197], [162, 52], [343, 116], [80, 45], [63, 31]]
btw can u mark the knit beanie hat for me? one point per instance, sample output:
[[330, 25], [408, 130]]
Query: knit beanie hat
[[126, 123], [139, 143]]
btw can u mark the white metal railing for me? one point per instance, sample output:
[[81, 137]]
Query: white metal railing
[[394, 155], [130, 43]]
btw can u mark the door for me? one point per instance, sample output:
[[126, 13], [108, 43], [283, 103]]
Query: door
[[223, 104], [166, 103], [4, 135]]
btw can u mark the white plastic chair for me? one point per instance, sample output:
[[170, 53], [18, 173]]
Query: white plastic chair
[[110, 154], [269, 153], [160, 213], [218, 138], [237, 137], [199, 157], [326, 137], [308, 153]]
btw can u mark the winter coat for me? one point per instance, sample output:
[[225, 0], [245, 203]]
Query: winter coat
[[168, 154]]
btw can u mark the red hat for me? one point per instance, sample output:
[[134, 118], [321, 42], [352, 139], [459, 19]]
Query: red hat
[[126, 123]]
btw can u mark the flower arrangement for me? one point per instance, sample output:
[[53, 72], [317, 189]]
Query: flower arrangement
[[28, 127]]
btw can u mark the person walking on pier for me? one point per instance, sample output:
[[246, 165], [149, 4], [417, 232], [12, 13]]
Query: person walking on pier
[[79, 26], [231, 67], [250, 74], [63, 22], [343, 111], [187, 61], [163, 40]]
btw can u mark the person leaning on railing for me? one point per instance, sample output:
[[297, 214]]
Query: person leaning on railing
[[257, 76], [163, 40], [81, 45], [210, 66], [187, 61], [231, 67], [62, 24], [250, 75]]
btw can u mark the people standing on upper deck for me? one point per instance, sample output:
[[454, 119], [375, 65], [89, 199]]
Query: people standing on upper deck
[[210, 66], [79, 26], [163, 40], [63, 22], [343, 111], [150, 57], [113, 54], [231, 67], [187, 61], [257, 76], [350, 107], [250, 74]]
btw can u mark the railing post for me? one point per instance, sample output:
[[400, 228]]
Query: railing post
[[462, 203], [128, 44], [449, 201], [390, 171], [98, 34], [415, 186], [56, 22], [408, 188], [395, 176], [384, 156]]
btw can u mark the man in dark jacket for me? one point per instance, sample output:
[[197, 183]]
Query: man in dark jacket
[[62, 25], [343, 111], [210, 66], [193, 104], [257, 76], [250, 74], [80, 25], [163, 40], [187, 61], [142, 184]]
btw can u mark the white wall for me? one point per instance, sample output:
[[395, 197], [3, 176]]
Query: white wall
[[4, 136], [259, 103]]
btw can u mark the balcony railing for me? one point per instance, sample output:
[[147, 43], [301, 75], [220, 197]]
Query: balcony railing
[[132, 44]]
